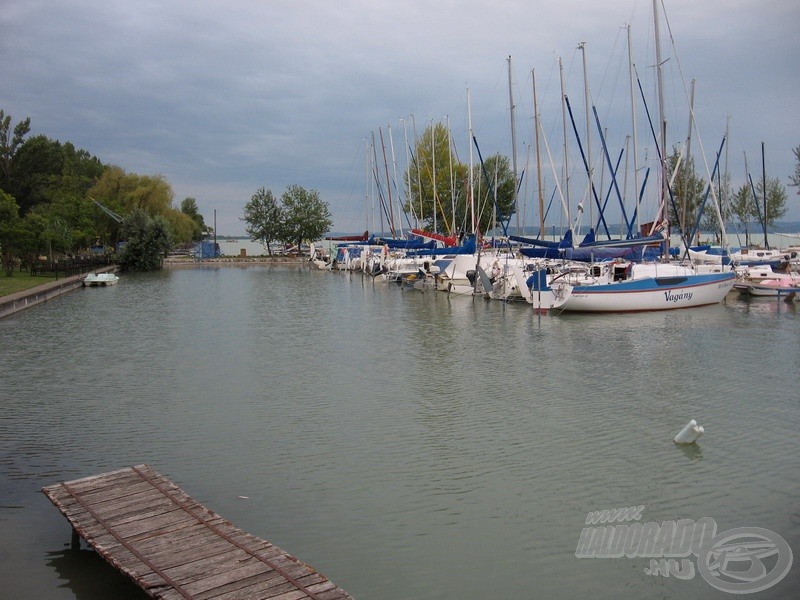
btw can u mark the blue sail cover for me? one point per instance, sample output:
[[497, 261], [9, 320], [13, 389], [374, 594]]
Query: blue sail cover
[[541, 252], [538, 281], [566, 242], [629, 243], [593, 253]]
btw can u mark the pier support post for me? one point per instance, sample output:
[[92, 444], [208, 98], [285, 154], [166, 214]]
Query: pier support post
[[76, 540]]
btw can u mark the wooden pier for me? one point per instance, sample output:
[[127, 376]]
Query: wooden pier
[[173, 547]]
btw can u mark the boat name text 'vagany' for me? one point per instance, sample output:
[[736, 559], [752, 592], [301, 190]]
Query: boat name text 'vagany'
[[670, 297]]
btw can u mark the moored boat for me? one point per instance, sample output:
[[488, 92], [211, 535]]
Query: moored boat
[[100, 279], [765, 281], [641, 287]]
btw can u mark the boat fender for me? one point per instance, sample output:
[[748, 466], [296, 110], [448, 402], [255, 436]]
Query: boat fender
[[690, 433]]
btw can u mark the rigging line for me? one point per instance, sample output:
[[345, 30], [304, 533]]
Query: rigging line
[[709, 177]]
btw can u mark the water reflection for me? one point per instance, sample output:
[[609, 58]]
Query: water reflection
[[765, 306], [382, 436], [106, 582], [691, 451]]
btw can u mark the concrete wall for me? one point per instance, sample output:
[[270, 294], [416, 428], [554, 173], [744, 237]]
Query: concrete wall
[[13, 303]]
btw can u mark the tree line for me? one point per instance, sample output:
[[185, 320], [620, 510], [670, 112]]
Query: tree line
[[448, 196], [444, 194], [57, 201], [757, 203]]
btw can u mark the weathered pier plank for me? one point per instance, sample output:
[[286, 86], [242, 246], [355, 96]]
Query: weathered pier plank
[[174, 547]]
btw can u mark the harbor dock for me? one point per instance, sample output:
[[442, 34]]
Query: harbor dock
[[173, 547]]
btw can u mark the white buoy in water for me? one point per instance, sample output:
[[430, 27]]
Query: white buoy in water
[[689, 434]]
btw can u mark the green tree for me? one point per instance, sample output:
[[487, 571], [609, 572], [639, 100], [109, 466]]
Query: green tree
[[147, 240], [494, 191], [775, 200], [124, 193], [305, 216], [43, 168], [438, 186], [67, 223], [36, 171], [428, 181], [742, 208], [10, 141], [183, 229], [9, 223], [688, 191], [264, 218], [16, 238], [189, 208], [748, 208]]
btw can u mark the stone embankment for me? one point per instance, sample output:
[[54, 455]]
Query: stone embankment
[[14, 303]]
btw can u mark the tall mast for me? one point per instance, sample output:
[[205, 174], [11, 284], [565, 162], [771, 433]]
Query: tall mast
[[471, 183], [724, 188], [687, 161], [419, 176], [566, 153], [452, 183], [764, 182], [394, 180], [538, 157], [408, 175], [388, 185], [513, 143], [632, 77], [433, 175], [582, 48], [367, 181], [662, 125]]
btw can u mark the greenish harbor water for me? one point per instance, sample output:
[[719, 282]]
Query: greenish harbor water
[[405, 444]]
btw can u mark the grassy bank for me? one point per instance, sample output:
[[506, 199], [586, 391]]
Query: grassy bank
[[20, 281]]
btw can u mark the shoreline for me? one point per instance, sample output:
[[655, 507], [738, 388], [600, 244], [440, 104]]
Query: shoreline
[[235, 260], [11, 304]]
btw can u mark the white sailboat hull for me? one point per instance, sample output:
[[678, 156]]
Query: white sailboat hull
[[665, 291]]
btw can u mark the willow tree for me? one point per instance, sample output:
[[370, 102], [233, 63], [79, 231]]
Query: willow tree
[[129, 191], [183, 229], [123, 193]]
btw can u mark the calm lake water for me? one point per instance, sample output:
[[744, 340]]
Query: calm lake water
[[405, 444]]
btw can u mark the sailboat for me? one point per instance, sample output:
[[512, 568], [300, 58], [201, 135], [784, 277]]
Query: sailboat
[[622, 285], [628, 287]]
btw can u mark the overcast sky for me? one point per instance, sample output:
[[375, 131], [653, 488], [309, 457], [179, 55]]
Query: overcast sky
[[222, 98]]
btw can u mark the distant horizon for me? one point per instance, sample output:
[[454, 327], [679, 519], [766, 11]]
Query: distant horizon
[[780, 228]]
